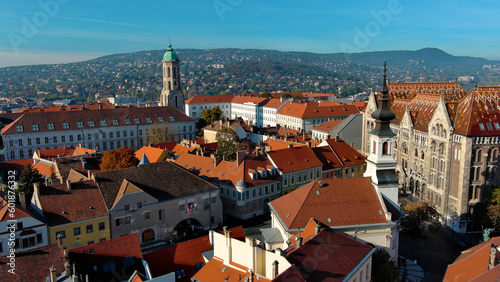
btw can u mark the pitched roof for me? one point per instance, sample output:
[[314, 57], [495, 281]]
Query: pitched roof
[[163, 181], [361, 105], [290, 274], [233, 124], [81, 164], [82, 151], [153, 154], [184, 255], [87, 116], [272, 103], [45, 169], [293, 159], [327, 125], [421, 108], [209, 99], [216, 270], [473, 263], [180, 149], [61, 206], [249, 99], [346, 154], [50, 154], [19, 212], [452, 91], [123, 246], [478, 114], [312, 110], [338, 202], [33, 265], [232, 172], [344, 255], [280, 144]]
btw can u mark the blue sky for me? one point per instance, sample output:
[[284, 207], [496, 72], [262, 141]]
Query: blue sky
[[54, 31]]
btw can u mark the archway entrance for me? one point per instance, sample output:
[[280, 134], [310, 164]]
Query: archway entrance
[[187, 229], [148, 235]]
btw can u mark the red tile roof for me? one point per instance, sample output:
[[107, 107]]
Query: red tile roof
[[272, 103], [421, 108], [361, 105], [291, 274], [45, 169], [339, 202], [184, 255], [168, 145], [82, 151], [294, 159], [279, 144], [473, 263], [312, 110], [216, 270], [5, 215], [249, 99], [327, 125], [346, 154], [44, 118], [409, 90], [209, 99], [180, 149], [61, 206], [344, 255], [33, 265], [153, 154], [50, 154], [480, 107], [123, 246]]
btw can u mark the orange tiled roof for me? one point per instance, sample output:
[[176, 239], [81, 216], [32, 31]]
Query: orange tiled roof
[[82, 151], [279, 144], [123, 246], [272, 103], [44, 168], [19, 212], [421, 108], [339, 202], [312, 110], [153, 154], [200, 165], [294, 159], [327, 125], [216, 270], [230, 171], [209, 99], [49, 154], [249, 99], [479, 113], [473, 263], [452, 91], [346, 154], [179, 149]]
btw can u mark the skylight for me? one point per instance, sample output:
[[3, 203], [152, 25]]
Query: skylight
[[481, 126]]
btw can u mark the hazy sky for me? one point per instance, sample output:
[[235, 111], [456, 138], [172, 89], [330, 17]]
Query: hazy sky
[[54, 31]]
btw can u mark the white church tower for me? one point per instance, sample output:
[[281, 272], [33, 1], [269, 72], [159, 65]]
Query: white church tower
[[171, 93], [380, 163]]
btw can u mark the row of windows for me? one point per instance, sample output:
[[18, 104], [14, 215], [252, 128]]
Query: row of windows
[[302, 176], [26, 242], [255, 192], [77, 230], [91, 123]]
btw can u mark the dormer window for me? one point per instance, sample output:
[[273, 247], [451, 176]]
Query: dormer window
[[115, 122], [91, 123], [79, 124], [104, 123], [50, 126], [489, 126], [481, 126], [148, 120], [160, 119], [127, 121], [172, 118], [255, 175], [137, 120]]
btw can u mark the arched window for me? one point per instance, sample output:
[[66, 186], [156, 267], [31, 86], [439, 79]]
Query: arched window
[[416, 152], [169, 86], [385, 149], [374, 150], [422, 155], [441, 149], [479, 154], [168, 72], [433, 146], [493, 155]]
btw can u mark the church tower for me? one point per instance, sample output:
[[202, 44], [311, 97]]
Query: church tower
[[380, 163], [171, 93]]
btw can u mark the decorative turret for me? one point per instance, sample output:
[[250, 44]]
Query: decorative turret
[[171, 93], [383, 114]]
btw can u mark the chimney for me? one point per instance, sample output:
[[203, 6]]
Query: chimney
[[59, 240], [290, 145], [53, 274], [68, 183], [240, 156], [308, 144], [493, 254], [317, 229], [250, 275], [257, 151], [89, 174], [229, 247], [275, 269], [268, 148], [69, 270], [22, 199], [299, 242]]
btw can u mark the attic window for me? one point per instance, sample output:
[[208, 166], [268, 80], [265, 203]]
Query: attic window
[[35, 127], [127, 121], [489, 126], [19, 128], [160, 119], [481, 126], [172, 118], [137, 120], [104, 123], [317, 192], [180, 273], [497, 126], [91, 123], [50, 126], [79, 124], [148, 120], [329, 220], [115, 122], [419, 122]]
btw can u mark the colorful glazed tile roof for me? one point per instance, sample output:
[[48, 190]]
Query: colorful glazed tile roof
[[452, 91], [478, 114], [421, 108]]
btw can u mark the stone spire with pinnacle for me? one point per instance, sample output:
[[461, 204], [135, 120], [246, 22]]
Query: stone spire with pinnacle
[[383, 114]]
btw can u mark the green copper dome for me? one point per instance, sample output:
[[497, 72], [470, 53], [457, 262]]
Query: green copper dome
[[170, 55]]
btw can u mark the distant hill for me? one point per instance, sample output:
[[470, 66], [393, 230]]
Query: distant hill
[[236, 71]]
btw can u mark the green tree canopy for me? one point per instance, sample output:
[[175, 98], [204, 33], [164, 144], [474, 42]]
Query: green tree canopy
[[286, 95], [28, 177], [383, 267], [117, 159], [227, 143], [494, 208], [266, 95], [211, 115], [158, 133]]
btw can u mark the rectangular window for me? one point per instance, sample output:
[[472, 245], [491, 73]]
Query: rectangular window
[[104, 123], [127, 121], [124, 133], [50, 126], [126, 207], [19, 128], [118, 134], [91, 123], [481, 126], [161, 214], [102, 225], [122, 221], [46, 140], [131, 134], [160, 119], [28, 242], [104, 135], [111, 135], [79, 124], [266, 190], [54, 139], [140, 132], [139, 205], [39, 238], [147, 215], [148, 120], [63, 139], [38, 141], [234, 194], [76, 231], [253, 193], [272, 188], [35, 127], [260, 191], [172, 118], [65, 125], [182, 207], [206, 203], [115, 122], [20, 142], [90, 228], [89, 136], [137, 121], [62, 233]]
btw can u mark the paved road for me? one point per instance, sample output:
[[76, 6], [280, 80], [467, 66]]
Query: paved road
[[432, 254]]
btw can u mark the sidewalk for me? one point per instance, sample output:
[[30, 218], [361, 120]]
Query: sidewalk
[[465, 240], [410, 271]]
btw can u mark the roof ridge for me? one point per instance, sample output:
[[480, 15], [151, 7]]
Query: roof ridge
[[304, 200]]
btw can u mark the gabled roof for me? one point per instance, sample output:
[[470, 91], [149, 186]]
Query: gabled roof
[[216, 270], [184, 255], [294, 159], [123, 246], [153, 154], [86, 116], [233, 124], [249, 99], [50, 154], [82, 151], [232, 172], [45, 168], [209, 99], [480, 107], [312, 110], [61, 206], [473, 263], [452, 91], [163, 181], [327, 125], [361, 105], [344, 255], [19, 212], [280, 144], [291, 274], [421, 108], [337, 202], [272, 103], [33, 265], [328, 157], [199, 165], [81, 164], [180, 149], [346, 154]]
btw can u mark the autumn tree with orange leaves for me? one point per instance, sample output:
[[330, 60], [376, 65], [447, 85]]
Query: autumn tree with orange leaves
[[117, 159]]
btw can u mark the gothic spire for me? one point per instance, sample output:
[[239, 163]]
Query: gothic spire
[[383, 114]]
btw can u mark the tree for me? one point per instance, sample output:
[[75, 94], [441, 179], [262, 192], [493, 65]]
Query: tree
[[211, 115], [117, 159], [494, 208], [227, 143], [158, 133], [383, 267], [286, 95], [418, 213], [28, 177], [266, 95]]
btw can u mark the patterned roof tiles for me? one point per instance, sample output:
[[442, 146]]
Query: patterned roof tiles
[[421, 108], [452, 91], [478, 114]]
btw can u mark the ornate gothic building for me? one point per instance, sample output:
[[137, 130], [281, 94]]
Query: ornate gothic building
[[446, 145]]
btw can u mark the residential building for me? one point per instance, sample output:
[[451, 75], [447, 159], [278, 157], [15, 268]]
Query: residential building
[[196, 104], [446, 145], [109, 260], [305, 116], [159, 201], [75, 212], [30, 232], [348, 129], [296, 166], [339, 159], [479, 263], [351, 206], [171, 93], [239, 126], [107, 128]]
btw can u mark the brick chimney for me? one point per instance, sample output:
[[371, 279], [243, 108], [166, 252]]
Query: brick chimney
[[299, 242], [275, 269], [240, 156], [229, 246], [59, 240], [250, 275], [317, 229], [53, 274]]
